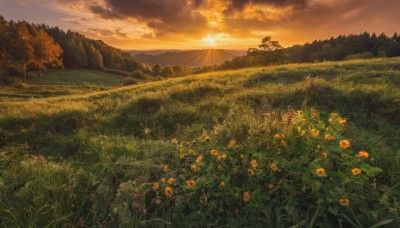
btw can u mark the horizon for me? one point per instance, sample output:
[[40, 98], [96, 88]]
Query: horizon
[[200, 24]]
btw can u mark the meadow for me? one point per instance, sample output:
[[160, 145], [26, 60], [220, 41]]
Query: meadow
[[274, 146]]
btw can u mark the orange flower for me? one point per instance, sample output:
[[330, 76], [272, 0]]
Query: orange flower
[[342, 121], [174, 141], [246, 196], [194, 167], [363, 154], [334, 114], [191, 183], [328, 137], [324, 154], [181, 156], [163, 180], [158, 201], [250, 172], [330, 120], [273, 166], [232, 143], [222, 157], [344, 201], [199, 158], [283, 143], [314, 133], [344, 144], [254, 163], [314, 114], [170, 180], [180, 146], [214, 152], [192, 152], [320, 172], [222, 184], [166, 168], [169, 192], [356, 171], [302, 133], [155, 186], [270, 186], [279, 136], [241, 156]]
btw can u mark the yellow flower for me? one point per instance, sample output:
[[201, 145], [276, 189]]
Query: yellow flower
[[342, 121], [314, 133], [344, 144], [170, 180], [163, 180], [181, 156], [155, 186], [302, 133], [232, 143], [241, 156], [246, 196], [199, 158], [254, 163], [324, 154], [166, 168], [169, 192], [270, 186], [250, 172], [191, 183], [320, 172], [214, 152], [158, 201], [279, 136], [174, 141], [314, 114], [192, 152], [363, 154], [330, 120], [356, 171], [222, 184], [273, 166], [344, 201], [328, 137], [334, 114], [194, 167]]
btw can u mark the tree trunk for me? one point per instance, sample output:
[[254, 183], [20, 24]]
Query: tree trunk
[[1, 80], [40, 74], [24, 72]]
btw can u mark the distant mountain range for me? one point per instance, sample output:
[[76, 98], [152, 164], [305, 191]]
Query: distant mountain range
[[190, 58]]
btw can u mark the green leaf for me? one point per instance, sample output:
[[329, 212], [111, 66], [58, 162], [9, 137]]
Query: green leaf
[[384, 222]]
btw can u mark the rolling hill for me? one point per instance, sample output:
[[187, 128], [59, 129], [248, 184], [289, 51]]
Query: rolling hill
[[130, 156], [191, 58]]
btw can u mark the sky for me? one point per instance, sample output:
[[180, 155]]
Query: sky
[[199, 24]]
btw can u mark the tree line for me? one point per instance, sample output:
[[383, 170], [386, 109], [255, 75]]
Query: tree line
[[25, 46], [362, 46]]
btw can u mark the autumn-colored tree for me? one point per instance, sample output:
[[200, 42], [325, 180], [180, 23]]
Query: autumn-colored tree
[[46, 52], [4, 41], [23, 52]]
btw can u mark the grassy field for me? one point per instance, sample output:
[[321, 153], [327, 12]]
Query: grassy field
[[61, 82], [97, 158]]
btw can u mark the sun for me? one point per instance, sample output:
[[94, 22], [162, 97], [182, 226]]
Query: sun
[[209, 40]]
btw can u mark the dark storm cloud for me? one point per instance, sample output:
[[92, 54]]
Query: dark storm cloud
[[173, 16], [239, 4]]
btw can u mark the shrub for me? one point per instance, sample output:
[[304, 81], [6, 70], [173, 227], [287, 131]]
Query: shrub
[[288, 169], [130, 81]]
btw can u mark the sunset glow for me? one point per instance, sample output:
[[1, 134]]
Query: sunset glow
[[195, 24]]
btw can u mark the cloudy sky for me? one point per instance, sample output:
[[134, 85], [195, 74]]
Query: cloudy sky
[[195, 24]]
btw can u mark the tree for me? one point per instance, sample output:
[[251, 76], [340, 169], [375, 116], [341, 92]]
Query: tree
[[95, 59], [269, 45], [178, 69], [23, 51], [75, 54], [46, 52], [157, 69], [168, 72], [4, 43]]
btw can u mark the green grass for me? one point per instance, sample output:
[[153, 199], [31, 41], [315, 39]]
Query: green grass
[[104, 144], [78, 77]]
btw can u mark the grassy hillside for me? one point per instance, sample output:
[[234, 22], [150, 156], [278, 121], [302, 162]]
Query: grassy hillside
[[61, 82], [92, 159]]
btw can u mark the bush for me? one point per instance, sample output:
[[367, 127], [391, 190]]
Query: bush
[[130, 81], [288, 169]]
